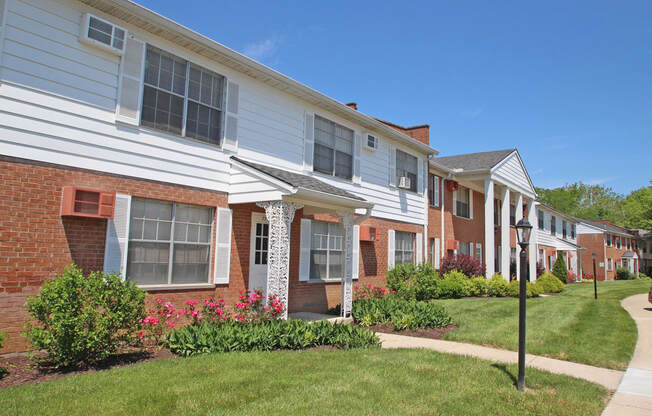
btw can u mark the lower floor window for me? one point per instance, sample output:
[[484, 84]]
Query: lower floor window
[[169, 243], [404, 248], [465, 248], [326, 251]]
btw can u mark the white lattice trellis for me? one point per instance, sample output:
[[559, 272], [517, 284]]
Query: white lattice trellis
[[348, 220]]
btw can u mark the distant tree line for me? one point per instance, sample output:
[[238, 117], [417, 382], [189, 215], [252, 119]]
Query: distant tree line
[[598, 202]]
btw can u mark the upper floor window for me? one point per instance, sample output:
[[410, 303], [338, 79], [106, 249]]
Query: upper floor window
[[333, 149], [406, 166], [169, 243], [327, 251], [629, 244], [607, 238], [540, 218], [462, 202], [618, 242], [433, 190], [573, 231], [564, 231], [404, 248], [182, 98], [553, 225], [512, 214]]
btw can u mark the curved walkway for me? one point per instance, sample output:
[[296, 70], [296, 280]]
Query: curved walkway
[[634, 394], [603, 376]]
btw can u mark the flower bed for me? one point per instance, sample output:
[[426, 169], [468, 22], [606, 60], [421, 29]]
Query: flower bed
[[400, 313], [267, 336]]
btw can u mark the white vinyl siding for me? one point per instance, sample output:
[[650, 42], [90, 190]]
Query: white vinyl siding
[[169, 243]]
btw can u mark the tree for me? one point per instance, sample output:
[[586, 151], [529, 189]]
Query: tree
[[637, 209], [560, 270]]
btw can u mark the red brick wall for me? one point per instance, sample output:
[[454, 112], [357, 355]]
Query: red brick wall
[[36, 242], [594, 243]]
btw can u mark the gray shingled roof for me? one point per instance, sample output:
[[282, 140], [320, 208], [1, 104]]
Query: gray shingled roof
[[298, 180], [607, 227], [474, 161]]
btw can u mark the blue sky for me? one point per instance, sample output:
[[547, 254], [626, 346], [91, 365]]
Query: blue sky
[[569, 83]]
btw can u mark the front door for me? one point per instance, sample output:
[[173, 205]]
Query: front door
[[258, 252]]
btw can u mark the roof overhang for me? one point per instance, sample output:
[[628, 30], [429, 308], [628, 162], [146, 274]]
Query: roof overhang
[[279, 190], [149, 21]]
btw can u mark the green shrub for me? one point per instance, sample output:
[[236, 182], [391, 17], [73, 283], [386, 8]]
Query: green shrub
[[643, 276], [477, 286], [531, 290], [292, 334], [413, 282], [623, 273], [3, 371], [79, 318], [497, 286], [550, 283], [452, 289], [560, 270], [400, 313]]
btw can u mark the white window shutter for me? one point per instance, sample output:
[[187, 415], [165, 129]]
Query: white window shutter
[[356, 251], [392, 166], [391, 243], [478, 251], [232, 106], [420, 181], [454, 202], [437, 254], [223, 246], [130, 88], [357, 145], [117, 237], [308, 141], [471, 250], [306, 244], [419, 250], [470, 203]]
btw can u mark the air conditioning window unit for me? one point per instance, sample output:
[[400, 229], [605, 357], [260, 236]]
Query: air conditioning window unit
[[404, 182], [103, 34], [371, 143], [367, 233], [86, 202]]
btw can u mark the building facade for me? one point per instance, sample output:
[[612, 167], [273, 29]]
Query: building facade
[[612, 246], [557, 236], [131, 144]]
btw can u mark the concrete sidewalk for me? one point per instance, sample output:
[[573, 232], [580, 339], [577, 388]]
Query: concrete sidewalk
[[603, 376], [634, 394]]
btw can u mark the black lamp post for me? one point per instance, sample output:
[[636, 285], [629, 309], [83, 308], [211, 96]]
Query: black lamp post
[[523, 229], [595, 279]]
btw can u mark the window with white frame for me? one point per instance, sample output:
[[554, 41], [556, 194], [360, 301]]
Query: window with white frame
[[607, 238], [618, 242], [553, 225], [478, 251], [512, 214], [462, 202], [540, 218], [564, 229], [406, 166], [326, 251], [573, 231], [629, 244], [610, 264], [181, 98], [433, 190], [404, 247], [333, 149], [169, 243], [465, 248]]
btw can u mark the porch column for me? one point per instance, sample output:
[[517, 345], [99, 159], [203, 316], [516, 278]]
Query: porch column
[[504, 233], [348, 220], [488, 227], [533, 248], [279, 215], [517, 217]]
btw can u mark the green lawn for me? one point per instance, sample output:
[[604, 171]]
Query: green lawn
[[356, 382], [570, 326]]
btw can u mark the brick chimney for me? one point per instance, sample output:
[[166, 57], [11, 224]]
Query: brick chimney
[[420, 133], [352, 105]]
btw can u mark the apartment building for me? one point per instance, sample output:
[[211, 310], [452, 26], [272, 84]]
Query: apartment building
[[131, 144], [557, 236], [613, 247]]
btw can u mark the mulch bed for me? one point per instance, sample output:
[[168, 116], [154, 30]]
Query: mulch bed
[[24, 370], [433, 333]]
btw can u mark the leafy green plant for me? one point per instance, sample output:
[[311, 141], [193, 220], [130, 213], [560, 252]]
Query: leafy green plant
[[477, 286], [623, 273], [497, 286], [452, 289], [550, 283], [3, 371], [408, 281], [531, 290], [401, 313], [560, 270], [292, 334], [77, 318], [643, 276]]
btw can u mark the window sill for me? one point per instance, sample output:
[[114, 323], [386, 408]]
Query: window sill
[[178, 287], [325, 281], [333, 177], [464, 218]]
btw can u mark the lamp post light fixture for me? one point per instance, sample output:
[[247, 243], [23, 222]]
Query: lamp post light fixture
[[523, 230]]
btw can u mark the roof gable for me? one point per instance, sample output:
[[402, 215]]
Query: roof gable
[[479, 161]]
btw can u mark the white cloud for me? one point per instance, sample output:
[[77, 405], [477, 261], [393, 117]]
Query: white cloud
[[265, 51]]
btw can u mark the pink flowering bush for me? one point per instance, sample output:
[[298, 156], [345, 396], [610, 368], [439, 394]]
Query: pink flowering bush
[[369, 292], [253, 307]]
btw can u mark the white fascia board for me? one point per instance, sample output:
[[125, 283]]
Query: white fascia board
[[268, 178]]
